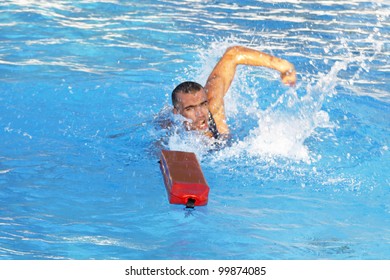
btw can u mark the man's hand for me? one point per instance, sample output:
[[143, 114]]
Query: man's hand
[[289, 77]]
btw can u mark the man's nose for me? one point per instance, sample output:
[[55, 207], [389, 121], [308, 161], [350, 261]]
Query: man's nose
[[199, 112]]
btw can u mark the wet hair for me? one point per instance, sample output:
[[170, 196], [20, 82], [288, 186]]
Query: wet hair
[[185, 87]]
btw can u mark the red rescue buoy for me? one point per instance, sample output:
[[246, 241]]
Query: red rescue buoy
[[183, 178]]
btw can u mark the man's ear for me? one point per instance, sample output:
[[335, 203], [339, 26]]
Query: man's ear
[[175, 111]]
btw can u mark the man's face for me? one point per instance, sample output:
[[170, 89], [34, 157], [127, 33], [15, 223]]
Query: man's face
[[193, 106]]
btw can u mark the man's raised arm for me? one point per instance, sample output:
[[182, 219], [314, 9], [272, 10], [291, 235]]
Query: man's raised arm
[[222, 76]]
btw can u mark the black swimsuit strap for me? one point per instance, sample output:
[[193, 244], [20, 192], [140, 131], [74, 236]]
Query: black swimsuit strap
[[213, 127]]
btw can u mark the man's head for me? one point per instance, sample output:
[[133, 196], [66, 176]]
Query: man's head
[[190, 100]]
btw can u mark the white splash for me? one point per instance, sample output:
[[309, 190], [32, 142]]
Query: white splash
[[283, 127]]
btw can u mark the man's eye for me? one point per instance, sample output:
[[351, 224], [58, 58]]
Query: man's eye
[[204, 104]]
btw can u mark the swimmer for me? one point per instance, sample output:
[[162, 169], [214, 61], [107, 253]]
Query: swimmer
[[204, 106]]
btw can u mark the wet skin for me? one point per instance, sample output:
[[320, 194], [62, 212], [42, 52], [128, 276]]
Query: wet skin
[[194, 107]]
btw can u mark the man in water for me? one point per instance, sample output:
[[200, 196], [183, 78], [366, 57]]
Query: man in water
[[204, 106]]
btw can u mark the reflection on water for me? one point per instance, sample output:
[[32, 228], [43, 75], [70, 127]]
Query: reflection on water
[[305, 172]]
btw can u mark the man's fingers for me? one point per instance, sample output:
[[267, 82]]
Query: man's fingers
[[289, 78]]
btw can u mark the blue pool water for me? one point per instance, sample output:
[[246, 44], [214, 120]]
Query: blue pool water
[[85, 84]]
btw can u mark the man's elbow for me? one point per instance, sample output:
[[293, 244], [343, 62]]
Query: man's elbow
[[233, 50]]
